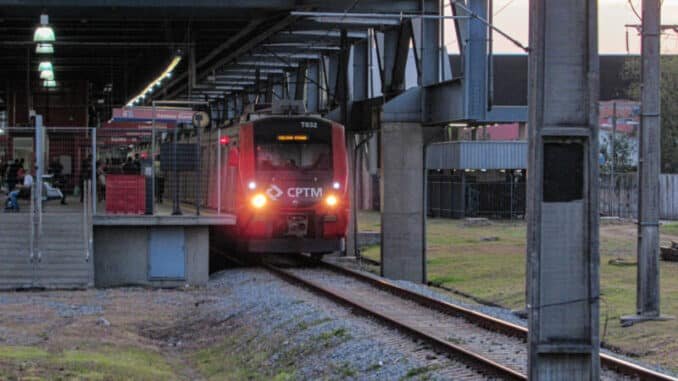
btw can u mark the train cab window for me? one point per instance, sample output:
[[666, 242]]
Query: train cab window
[[293, 156]]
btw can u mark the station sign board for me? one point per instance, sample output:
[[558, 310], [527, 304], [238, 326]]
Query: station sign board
[[177, 115]]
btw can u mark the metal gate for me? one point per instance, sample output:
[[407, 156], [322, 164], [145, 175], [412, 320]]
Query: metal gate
[[45, 227]]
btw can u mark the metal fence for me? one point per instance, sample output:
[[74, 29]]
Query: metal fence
[[452, 196], [161, 171], [455, 196], [45, 240], [65, 155], [619, 195]]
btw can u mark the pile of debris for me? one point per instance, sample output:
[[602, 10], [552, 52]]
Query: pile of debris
[[670, 253]]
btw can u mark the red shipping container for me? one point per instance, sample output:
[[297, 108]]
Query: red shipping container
[[125, 194]]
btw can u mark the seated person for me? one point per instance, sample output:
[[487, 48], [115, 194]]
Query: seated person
[[22, 190], [25, 187]]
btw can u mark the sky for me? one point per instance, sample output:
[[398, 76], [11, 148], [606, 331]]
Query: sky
[[612, 16]]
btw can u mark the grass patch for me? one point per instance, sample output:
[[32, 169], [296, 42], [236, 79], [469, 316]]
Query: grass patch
[[443, 280], [495, 271], [419, 371], [20, 353], [236, 358], [109, 364], [669, 228], [335, 333], [344, 370], [303, 325]]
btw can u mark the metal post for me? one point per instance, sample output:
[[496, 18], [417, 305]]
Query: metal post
[[614, 153], [153, 153], [511, 201], [176, 209], [198, 185], [218, 172], [85, 199], [647, 286], [36, 191], [39, 162], [562, 237], [94, 170]]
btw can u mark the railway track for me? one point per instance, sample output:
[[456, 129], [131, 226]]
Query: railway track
[[607, 361], [492, 346]]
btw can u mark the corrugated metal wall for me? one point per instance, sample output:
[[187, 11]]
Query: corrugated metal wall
[[619, 196], [477, 155], [668, 197]]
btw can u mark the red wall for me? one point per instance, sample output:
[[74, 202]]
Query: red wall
[[64, 106]]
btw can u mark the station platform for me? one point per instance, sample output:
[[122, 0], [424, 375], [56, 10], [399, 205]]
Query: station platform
[[160, 250], [69, 246]]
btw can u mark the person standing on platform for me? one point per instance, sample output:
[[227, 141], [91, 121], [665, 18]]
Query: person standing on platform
[[85, 174], [12, 173]]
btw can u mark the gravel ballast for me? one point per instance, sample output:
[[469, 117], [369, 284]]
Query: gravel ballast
[[335, 343]]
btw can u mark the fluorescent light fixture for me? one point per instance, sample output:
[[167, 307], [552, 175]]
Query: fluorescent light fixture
[[44, 33], [47, 75], [157, 81], [49, 83], [45, 65], [44, 48]]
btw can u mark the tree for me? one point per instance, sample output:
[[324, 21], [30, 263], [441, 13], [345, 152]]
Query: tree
[[669, 106], [623, 152]]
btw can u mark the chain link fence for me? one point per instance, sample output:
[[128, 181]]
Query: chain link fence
[[492, 195]]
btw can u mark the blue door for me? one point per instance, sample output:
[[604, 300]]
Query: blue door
[[167, 254]]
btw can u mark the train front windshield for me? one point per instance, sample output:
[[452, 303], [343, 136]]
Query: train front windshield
[[293, 156]]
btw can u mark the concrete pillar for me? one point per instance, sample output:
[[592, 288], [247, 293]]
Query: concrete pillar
[[402, 202], [312, 88], [522, 131], [562, 237], [352, 222], [647, 286]]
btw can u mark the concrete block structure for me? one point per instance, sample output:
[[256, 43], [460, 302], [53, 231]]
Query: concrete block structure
[[156, 251]]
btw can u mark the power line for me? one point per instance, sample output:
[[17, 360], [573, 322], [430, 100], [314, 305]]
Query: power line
[[509, 2]]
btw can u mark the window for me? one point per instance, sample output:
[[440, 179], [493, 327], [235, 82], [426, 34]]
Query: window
[[293, 156]]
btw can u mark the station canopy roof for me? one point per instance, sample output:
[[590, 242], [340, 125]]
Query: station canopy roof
[[120, 46]]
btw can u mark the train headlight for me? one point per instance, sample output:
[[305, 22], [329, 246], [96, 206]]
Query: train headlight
[[331, 200], [258, 201], [336, 185], [252, 185]]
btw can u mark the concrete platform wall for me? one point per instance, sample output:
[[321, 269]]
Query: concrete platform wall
[[121, 256]]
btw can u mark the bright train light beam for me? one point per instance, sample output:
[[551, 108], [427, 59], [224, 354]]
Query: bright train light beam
[[259, 201], [331, 200]]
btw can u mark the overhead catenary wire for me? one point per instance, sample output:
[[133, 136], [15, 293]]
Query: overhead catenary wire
[[490, 25]]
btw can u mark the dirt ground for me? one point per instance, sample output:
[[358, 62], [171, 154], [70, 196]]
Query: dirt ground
[[488, 262], [246, 324], [94, 334]]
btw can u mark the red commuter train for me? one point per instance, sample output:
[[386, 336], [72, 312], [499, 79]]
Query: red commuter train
[[286, 182]]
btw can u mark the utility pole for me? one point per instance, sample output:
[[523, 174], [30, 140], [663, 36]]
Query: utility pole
[[647, 283], [562, 236], [614, 154]]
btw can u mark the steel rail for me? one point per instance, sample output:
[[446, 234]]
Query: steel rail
[[470, 358], [478, 318], [491, 323]]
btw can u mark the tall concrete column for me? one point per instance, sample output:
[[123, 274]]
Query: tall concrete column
[[402, 205], [562, 238], [312, 87], [647, 283], [352, 221]]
